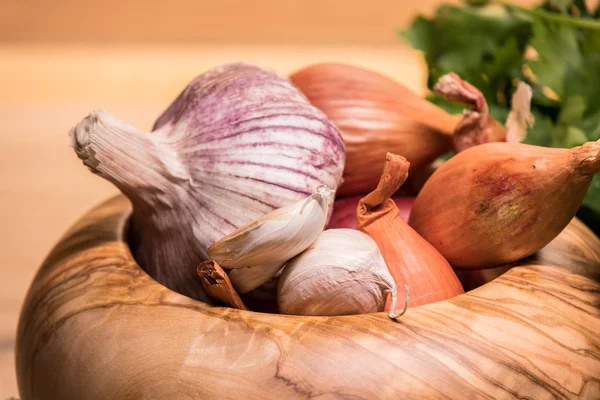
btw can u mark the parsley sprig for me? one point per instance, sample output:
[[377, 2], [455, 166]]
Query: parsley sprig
[[554, 47]]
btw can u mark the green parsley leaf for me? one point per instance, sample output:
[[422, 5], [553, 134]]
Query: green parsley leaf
[[487, 58], [555, 48]]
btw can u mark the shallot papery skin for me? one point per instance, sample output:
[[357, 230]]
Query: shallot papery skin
[[477, 126], [496, 203], [375, 115], [409, 258], [344, 211], [237, 143]]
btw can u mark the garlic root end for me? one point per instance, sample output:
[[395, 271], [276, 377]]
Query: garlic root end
[[116, 151], [80, 139]]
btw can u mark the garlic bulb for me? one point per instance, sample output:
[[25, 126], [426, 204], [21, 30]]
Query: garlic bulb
[[259, 250], [341, 273], [236, 144]]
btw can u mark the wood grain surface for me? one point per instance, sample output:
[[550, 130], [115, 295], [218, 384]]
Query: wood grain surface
[[95, 326]]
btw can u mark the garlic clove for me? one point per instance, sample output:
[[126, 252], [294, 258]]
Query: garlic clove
[[341, 273], [261, 248], [217, 285]]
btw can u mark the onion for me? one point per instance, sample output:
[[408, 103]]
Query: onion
[[496, 203], [236, 144], [410, 259], [375, 115]]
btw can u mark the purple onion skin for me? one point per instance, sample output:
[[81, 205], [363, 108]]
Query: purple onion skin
[[344, 211]]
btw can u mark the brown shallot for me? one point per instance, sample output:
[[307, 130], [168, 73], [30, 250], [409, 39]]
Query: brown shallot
[[410, 259], [375, 114], [499, 202]]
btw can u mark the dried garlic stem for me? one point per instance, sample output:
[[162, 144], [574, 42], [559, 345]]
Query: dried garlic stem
[[218, 286], [392, 313]]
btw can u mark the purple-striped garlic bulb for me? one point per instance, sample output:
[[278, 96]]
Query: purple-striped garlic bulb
[[236, 144]]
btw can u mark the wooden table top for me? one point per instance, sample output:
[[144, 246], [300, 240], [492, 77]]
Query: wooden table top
[[46, 89]]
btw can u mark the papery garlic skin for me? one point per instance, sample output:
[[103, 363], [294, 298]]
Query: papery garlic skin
[[259, 250], [341, 273], [236, 144]]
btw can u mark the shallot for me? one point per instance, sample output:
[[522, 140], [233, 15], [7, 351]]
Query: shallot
[[410, 259], [496, 203]]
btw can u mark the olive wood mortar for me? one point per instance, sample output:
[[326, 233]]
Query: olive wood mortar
[[95, 326]]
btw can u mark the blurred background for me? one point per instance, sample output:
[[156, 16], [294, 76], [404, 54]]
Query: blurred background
[[61, 59]]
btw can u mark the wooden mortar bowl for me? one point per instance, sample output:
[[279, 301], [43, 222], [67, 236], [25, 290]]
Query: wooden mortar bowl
[[95, 326]]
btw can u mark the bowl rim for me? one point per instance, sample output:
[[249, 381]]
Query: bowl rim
[[91, 275]]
